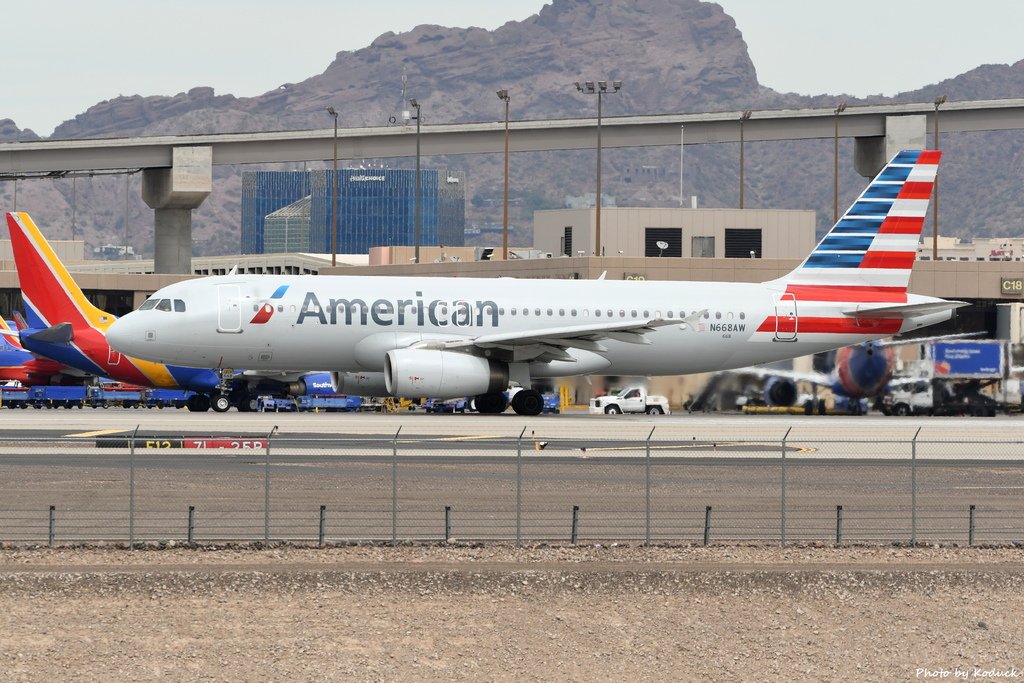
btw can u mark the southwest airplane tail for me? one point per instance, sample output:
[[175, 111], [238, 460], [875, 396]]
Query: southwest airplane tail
[[63, 325], [449, 337]]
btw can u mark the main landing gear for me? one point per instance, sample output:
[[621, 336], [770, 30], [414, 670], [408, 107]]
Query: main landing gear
[[524, 402], [490, 404], [528, 402], [197, 403]]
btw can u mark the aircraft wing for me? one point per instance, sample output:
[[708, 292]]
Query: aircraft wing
[[585, 337]]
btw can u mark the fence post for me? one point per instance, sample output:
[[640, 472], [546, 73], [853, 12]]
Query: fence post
[[131, 490], [447, 523], [323, 524], [266, 491], [53, 526], [782, 503], [647, 490], [913, 488], [191, 525], [970, 527], [394, 488], [519, 489], [839, 524], [575, 523], [707, 524]]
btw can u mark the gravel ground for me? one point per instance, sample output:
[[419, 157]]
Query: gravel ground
[[494, 612]]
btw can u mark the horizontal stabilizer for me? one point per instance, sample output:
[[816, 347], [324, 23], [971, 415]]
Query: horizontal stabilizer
[[61, 333], [903, 311]]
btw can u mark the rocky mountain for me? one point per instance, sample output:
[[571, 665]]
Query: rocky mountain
[[673, 56]]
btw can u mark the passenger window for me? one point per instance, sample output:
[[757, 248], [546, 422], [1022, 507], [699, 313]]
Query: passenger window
[[179, 306], [148, 304], [536, 311], [718, 315], [597, 313], [164, 305]]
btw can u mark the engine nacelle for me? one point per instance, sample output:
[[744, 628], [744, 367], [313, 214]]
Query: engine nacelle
[[359, 383], [420, 373], [779, 391]]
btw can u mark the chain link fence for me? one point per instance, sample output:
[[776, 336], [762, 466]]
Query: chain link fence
[[524, 489]]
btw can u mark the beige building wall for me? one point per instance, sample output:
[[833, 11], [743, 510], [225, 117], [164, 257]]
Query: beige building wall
[[783, 233]]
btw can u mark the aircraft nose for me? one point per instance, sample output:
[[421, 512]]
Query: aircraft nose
[[122, 334]]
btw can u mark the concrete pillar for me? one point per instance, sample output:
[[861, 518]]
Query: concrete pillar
[[173, 193], [901, 132]]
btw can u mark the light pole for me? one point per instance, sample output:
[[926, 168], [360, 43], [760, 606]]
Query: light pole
[[744, 117], [416, 230], [503, 96], [939, 101], [835, 166], [601, 89], [334, 193]]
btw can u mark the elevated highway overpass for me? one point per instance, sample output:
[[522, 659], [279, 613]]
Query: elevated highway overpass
[[177, 169]]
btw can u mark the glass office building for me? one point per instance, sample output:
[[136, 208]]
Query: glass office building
[[291, 210]]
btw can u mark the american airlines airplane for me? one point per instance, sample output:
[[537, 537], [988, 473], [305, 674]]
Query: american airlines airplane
[[447, 337]]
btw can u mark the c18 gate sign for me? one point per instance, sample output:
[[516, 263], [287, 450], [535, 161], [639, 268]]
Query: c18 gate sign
[[977, 359]]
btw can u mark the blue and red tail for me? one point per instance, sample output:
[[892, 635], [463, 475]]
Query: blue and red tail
[[867, 256], [52, 297]]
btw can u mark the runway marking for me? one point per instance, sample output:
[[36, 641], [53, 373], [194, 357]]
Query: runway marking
[[99, 432]]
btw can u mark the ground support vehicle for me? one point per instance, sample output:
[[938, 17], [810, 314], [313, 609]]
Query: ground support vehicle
[[630, 400]]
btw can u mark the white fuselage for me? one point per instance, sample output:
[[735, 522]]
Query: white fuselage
[[348, 323]]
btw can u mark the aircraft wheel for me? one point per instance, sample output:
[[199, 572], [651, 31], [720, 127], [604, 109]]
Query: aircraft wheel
[[197, 403], [220, 403], [491, 404], [528, 402]]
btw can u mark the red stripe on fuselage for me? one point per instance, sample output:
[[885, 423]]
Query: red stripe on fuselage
[[808, 325], [897, 260], [901, 225], [850, 293]]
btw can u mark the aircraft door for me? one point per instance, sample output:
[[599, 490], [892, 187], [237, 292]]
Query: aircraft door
[[785, 318], [229, 311]]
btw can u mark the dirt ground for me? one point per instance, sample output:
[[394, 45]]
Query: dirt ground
[[496, 613]]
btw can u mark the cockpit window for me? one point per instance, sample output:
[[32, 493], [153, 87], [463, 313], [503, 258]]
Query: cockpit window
[[148, 304], [164, 305], [179, 306]]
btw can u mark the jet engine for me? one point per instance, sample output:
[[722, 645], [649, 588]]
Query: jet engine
[[442, 374], [359, 383], [779, 391]]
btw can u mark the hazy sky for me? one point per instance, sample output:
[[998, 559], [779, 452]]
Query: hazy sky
[[61, 56]]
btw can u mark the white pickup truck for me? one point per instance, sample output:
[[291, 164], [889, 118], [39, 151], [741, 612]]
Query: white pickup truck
[[630, 400]]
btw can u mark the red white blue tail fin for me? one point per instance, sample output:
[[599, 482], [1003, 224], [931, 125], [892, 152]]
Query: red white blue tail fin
[[869, 253]]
